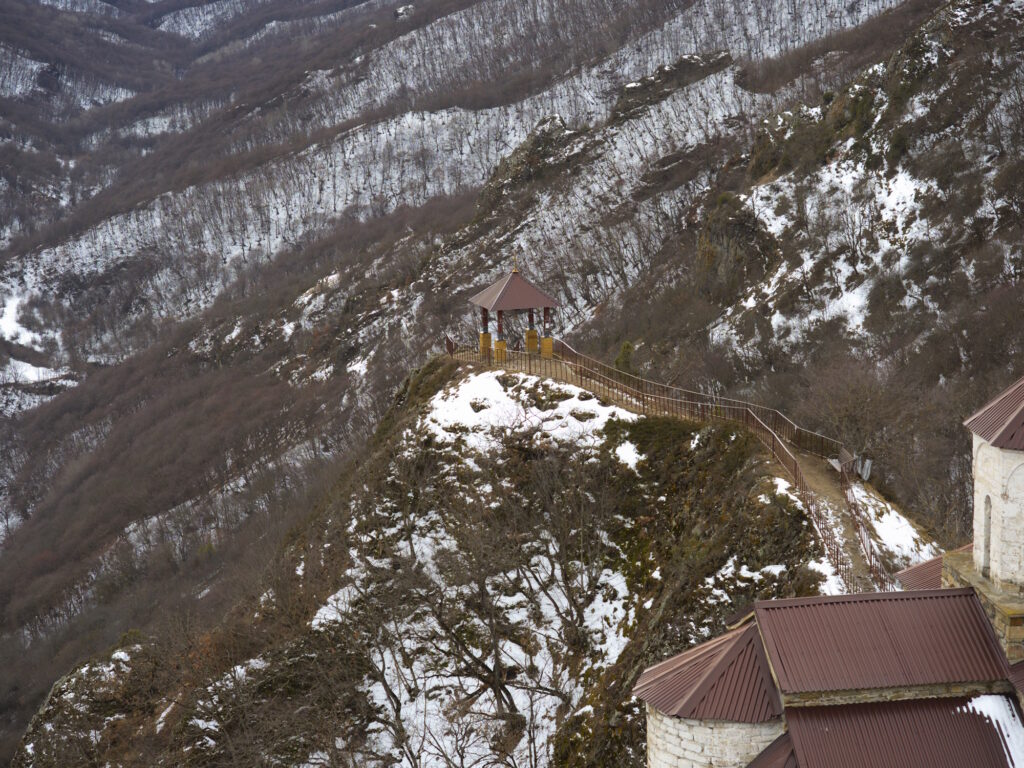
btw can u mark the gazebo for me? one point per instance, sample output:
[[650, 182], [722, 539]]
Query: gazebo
[[514, 293]]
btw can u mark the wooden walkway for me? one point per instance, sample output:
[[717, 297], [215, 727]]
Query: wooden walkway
[[804, 455]]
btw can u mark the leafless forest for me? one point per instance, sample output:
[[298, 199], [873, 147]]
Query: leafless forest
[[231, 231]]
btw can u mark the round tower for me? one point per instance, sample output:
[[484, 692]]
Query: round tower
[[998, 434], [714, 706], [995, 566]]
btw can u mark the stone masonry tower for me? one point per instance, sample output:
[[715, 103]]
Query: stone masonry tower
[[995, 568]]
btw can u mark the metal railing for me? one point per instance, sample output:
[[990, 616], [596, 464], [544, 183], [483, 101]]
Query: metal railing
[[782, 425], [879, 571], [775, 430]]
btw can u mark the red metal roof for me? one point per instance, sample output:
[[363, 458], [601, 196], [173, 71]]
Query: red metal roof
[[778, 754], [1001, 421], [723, 679], [510, 293], [880, 640], [927, 574], [924, 575], [1017, 676], [924, 733]]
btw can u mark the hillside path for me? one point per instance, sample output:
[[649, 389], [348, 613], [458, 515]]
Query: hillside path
[[823, 481], [820, 479]]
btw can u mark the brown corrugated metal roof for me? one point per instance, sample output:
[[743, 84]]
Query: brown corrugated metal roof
[[1017, 676], [881, 640], [723, 679], [510, 293], [925, 575], [778, 754], [925, 733], [1001, 421]]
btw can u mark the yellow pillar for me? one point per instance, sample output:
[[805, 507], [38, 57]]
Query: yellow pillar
[[532, 343], [500, 351], [547, 347], [485, 345]]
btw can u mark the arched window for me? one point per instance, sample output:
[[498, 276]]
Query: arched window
[[986, 539]]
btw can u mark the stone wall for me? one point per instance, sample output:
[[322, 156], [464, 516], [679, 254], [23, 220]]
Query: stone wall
[[674, 742], [999, 515], [1005, 610]]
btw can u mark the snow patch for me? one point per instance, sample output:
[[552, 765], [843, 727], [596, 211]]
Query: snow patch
[[1003, 716], [10, 329], [893, 532], [162, 719], [832, 584], [480, 407], [628, 454], [334, 609], [358, 367]]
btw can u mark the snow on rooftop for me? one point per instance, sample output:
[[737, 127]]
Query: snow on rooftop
[[1003, 715]]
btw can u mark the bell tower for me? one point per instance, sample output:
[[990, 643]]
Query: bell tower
[[995, 567]]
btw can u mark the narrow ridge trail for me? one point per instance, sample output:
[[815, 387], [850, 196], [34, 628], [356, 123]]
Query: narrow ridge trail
[[819, 478], [823, 481]]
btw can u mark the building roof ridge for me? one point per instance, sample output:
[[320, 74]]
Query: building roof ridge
[[858, 597]]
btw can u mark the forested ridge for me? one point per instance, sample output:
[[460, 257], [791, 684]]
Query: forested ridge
[[229, 231]]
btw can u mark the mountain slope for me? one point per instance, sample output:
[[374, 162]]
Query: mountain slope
[[881, 302], [486, 587], [213, 310]]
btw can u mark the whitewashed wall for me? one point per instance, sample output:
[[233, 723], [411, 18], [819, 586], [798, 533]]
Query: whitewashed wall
[[999, 487]]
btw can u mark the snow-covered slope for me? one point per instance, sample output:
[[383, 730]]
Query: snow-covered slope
[[893, 239], [252, 251], [507, 559], [194, 240]]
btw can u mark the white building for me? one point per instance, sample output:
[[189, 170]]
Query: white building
[[998, 431], [925, 678]]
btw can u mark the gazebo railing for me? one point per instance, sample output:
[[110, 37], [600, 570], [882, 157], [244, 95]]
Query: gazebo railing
[[774, 429]]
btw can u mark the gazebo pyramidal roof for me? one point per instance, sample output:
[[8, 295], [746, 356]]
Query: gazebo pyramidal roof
[[513, 292]]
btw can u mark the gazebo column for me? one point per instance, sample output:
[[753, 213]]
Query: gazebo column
[[513, 293], [485, 337], [500, 349], [532, 339], [547, 343]]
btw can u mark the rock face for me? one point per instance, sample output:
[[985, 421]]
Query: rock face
[[676, 742]]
